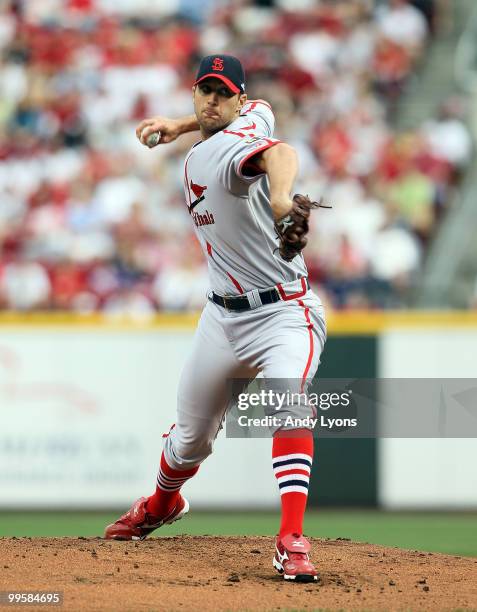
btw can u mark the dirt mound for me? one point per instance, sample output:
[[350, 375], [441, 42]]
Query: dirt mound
[[232, 573]]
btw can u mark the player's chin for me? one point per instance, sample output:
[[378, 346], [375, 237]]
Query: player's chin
[[212, 124]]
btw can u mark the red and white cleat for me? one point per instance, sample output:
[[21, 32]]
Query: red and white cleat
[[137, 524], [291, 558]]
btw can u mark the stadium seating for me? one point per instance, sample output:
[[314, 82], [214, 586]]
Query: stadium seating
[[91, 220]]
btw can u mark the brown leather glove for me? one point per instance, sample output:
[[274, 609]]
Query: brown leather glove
[[293, 227]]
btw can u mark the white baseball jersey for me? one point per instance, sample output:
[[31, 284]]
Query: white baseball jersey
[[229, 201]]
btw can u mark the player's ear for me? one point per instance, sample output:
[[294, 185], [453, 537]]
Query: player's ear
[[241, 101]]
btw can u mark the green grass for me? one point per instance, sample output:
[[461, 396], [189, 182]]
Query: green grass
[[453, 533]]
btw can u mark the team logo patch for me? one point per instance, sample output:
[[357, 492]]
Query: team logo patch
[[218, 64], [200, 219], [198, 191]]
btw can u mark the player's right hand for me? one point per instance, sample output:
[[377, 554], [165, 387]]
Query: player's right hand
[[169, 128]]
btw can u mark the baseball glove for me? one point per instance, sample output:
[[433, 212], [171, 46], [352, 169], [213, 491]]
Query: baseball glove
[[293, 227]]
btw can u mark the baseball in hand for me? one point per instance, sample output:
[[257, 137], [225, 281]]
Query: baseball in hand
[[153, 139]]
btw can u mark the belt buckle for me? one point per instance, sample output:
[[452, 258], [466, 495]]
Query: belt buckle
[[254, 299], [226, 302]]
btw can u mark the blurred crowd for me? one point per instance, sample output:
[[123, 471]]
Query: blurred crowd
[[91, 220]]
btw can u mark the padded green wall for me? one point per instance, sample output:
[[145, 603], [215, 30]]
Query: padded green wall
[[344, 470]]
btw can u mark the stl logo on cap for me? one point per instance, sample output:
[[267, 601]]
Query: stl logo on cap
[[218, 64]]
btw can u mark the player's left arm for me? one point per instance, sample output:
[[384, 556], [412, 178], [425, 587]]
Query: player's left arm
[[280, 163], [291, 215]]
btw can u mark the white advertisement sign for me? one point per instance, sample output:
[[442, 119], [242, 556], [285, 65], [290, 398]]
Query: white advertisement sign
[[82, 413], [433, 472]]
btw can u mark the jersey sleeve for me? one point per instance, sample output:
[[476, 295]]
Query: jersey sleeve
[[260, 113], [236, 170], [249, 134]]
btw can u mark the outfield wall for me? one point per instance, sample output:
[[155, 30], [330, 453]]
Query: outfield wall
[[84, 403], [436, 472], [82, 417]]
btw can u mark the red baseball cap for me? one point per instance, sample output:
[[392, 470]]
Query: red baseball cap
[[227, 68]]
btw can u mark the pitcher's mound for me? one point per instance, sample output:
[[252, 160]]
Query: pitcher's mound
[[232, 573]]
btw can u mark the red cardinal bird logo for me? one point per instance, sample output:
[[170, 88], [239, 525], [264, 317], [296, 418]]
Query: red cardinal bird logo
[[198, 192], [197, 189]]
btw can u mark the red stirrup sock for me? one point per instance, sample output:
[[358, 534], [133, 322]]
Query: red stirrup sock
[[169, 483], [292, 453]]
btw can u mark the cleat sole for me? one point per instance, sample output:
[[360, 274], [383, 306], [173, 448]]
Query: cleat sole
[[298, 578]]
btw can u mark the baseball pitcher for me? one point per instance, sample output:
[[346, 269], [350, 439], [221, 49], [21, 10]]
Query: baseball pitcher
[[260, 316]]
